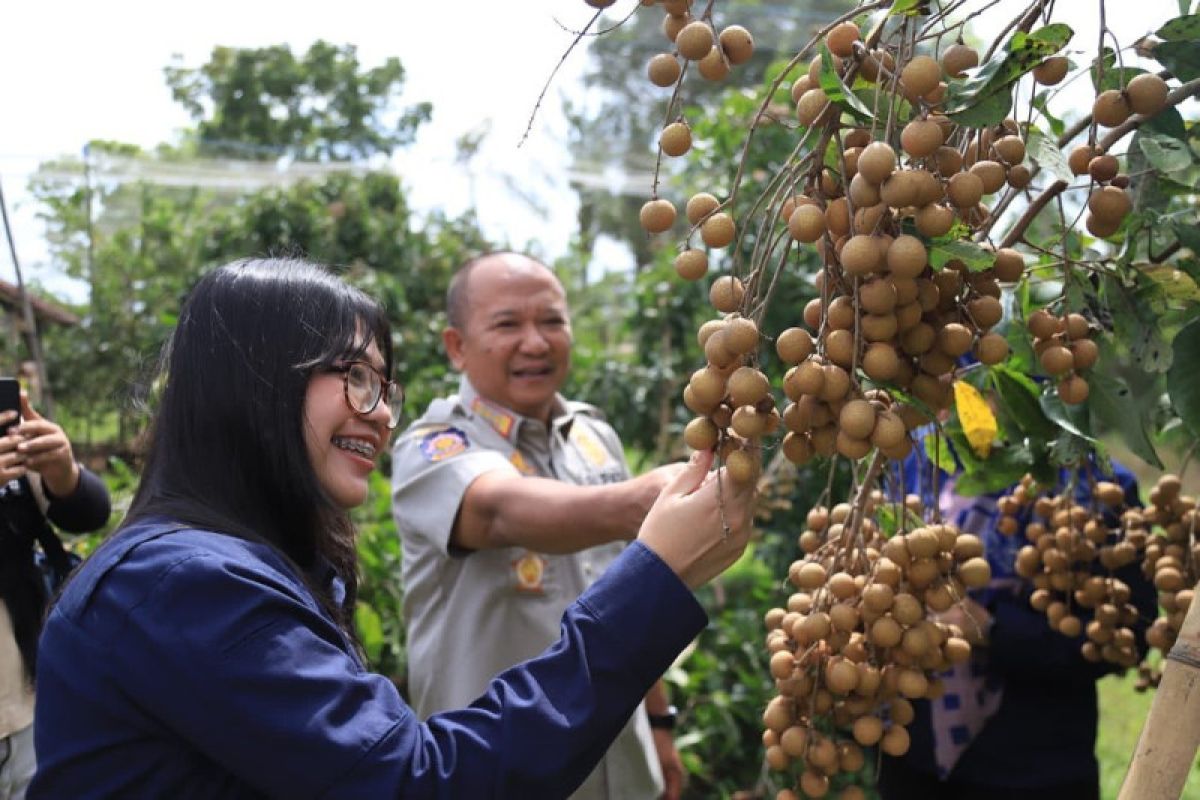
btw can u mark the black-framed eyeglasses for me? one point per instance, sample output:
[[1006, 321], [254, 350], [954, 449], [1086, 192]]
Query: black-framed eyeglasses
[[364, 386]]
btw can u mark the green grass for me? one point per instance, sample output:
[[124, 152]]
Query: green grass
[[1122, 713]]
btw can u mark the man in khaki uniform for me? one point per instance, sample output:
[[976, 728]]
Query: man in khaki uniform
[[510, 501]]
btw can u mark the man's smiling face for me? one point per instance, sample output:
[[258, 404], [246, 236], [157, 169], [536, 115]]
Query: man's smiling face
[[515, 346]]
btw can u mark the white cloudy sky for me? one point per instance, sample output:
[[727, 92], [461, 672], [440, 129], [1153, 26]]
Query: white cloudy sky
[[74, 71]]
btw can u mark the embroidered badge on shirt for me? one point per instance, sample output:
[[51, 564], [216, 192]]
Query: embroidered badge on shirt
[[523, 466], [592, 450], [530, 570], [444, 443], [497, 417]]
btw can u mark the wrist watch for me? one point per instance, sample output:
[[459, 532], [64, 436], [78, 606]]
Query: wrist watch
[[664, 721]]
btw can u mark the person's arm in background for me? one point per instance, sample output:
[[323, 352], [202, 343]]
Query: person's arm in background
[[78, 499], [658, 704]]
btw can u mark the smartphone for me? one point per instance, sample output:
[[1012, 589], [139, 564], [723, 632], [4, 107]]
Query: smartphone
[[10, 399]]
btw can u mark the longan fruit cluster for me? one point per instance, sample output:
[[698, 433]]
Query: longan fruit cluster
[[1067, 541], [1064, 350], [732, 399], [855, 644], [1171, 557]]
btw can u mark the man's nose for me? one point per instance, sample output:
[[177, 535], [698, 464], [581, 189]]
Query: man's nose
[[533, 340]]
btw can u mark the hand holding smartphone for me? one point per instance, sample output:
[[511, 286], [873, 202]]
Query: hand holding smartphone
[[10, 400]]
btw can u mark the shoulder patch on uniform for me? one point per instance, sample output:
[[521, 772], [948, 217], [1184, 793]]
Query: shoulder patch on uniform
[[442, 443], [523, 466], [592, 450], [495, 416]]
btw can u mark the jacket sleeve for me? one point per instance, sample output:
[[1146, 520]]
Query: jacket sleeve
[[84, 510], [250, 673]]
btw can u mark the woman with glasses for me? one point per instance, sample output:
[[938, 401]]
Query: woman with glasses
[[207, 648]]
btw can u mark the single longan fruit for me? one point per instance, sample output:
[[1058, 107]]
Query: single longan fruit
[[794, 345], [949, 160], [1085, 354], [985, 311], [1147, 94], [857, 419], [1043, 324], [880, 362], [807, 224], [959, 58], [877, 162], [1080, 158], [741, 335], [694, 40], [992, 348], [1110, 203], [1009, 265], [797, 448], [1010, 149], [675, 139], [664, 70], [841, 39], [902, 189], [906, 256], [718, 230], [954, 339], [860, 255], [1019, 176], [713, 67], [934, 220], [726, 294], [863, 193], [742, 467], [964, 189], [737, 43], [1051, 71], [839, 347], [921, 75], [921, 138], [691, 265], [1111, 108], [1057, 360], [673, 24], [1100, 227], [811, 106], [878, 296], [1104, 168], [991, 174], [657, 216], [701, 434], [700, 206], [1077, 326]]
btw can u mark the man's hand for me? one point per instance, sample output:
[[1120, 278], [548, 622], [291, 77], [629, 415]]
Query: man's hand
[[672, 765], [43, 447], [12, 461]]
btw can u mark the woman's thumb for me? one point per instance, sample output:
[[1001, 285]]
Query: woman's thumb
[[692, 475]]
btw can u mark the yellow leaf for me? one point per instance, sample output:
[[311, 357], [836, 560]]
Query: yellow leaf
[[978, 421]]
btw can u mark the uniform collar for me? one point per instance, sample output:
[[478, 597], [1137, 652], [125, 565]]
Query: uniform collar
[[505, 421]]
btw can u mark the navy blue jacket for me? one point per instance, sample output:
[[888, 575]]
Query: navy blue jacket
[[191, 664]]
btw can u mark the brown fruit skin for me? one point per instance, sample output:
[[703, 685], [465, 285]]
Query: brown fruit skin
[[934, 220], [1051, 71], [920, 75], [841, 39], [1073, 390], [877, 162], [1104, 168], [1080, 158], [880, 362], [1147, 94], [701, 434], [1010, 149], [1110, 203], [1057, 360], [737, 43], [713, 67], [1100, 227], [811, 107], [807, 224], [691, 265], [1111, 108], [675, 139], [921, 138], [664, 70], [991, 349], [726, 293], [700, 206], [673, 24], [794, 345], [991, 174], [964, 189], [657, 216], [1009, 266], [958, 58], [718, 230], [694, 40], [1019, 176], [1085, 353]]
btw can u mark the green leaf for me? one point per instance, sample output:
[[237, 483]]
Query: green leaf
[[1181, 28], [892, 517], [1002, 469], [1165, 154], [909, 8], [1183, 378], [975, 257], [987, 110], [1072, 419], [939, 453], [1114, 404], [1174, 284], [370, 629], [1048, 155], [836, 91], [1019, 396], [1182, 58], [1041, 103], [977, 100]]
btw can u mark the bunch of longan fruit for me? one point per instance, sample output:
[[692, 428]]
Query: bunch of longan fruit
[[855, 643], [1067, 541], [1064, 348], [1171, 557]]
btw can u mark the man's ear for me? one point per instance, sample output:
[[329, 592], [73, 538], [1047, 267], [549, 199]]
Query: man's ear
[[452, 340]]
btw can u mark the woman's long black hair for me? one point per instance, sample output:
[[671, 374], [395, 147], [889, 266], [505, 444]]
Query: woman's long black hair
[[227, 449]]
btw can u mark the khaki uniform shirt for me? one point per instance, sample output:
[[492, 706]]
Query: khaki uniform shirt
[[471, 615]]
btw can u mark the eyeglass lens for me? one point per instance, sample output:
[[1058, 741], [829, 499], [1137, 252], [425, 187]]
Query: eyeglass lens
[[364, 386]]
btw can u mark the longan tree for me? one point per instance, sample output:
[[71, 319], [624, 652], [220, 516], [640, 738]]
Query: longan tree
[[996, 280]]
